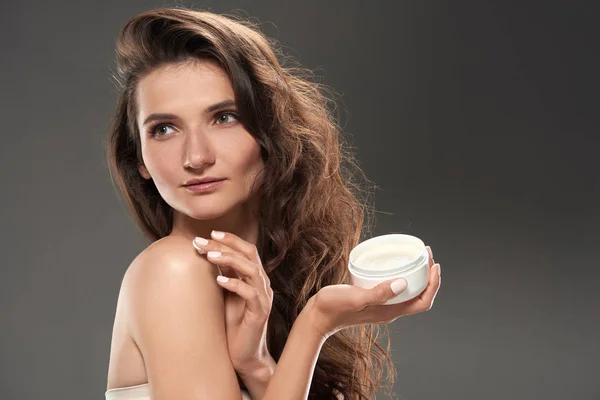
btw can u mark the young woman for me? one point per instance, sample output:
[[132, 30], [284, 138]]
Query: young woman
[[232, 165]]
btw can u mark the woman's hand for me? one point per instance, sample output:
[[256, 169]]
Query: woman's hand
[[336, 307], [248, 301]]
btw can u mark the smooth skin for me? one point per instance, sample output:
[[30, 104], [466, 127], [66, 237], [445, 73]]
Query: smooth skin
[[174, 310], [333, 308], [248, 304]]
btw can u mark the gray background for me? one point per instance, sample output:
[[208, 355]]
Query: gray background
[[477, 120]]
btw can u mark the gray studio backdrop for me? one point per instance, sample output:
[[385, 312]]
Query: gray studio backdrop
[[478, 122]]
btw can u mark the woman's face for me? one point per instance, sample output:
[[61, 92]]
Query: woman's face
[[189, 129]]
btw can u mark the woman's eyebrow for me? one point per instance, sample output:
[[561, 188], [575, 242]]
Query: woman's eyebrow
[[218, 106], [210, 109]]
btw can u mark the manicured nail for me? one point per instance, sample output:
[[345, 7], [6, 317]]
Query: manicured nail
[[196, 246], [201, 241], [398, 285], [214, 254], [217, 234], [222, 278]]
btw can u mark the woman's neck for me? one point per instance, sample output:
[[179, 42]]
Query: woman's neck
[[240, 222]]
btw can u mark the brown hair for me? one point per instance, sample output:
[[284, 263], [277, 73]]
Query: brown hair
[[310, 215]]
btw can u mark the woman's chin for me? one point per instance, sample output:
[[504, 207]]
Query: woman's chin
[[209, 210], [205, 215]]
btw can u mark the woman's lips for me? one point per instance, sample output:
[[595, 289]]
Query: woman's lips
[[205, 187]]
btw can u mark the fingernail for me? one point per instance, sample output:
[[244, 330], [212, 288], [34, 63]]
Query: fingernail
[[429, 251], [217, 234], [214, 254], [201, 241], [439, 269], [201, 251], [398, 285], [222, 278]]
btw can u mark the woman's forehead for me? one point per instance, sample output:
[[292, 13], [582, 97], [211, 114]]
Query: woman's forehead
[[200, 83]]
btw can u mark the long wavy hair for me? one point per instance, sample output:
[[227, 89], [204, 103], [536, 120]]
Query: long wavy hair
[[313, 208]]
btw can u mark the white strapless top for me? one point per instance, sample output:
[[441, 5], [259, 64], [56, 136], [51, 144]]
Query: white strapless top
[[142, 392]]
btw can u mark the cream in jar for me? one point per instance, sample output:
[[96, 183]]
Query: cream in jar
[[391, 256]]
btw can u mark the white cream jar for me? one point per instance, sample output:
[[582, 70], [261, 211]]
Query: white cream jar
[[390, 257]]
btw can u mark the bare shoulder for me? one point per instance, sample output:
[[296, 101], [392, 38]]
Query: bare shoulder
[[167, 272], [176, 318], [171, 257], [165, 268]]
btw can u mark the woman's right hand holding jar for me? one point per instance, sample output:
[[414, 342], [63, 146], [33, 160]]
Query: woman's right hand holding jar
[[336, 307]]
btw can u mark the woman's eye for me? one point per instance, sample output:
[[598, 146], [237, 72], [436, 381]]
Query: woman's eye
[[226, 118], [160, 130]]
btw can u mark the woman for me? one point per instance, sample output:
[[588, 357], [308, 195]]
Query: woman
[[232, 166]]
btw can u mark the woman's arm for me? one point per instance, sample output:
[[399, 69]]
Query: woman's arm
[[246, 321], [258, 378], [333, 308], [176, 319], [294, 371], [291, 377], [293, 374], [176, 316]]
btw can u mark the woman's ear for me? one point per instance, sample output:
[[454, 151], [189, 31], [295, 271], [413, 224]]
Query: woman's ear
[[144, 172]]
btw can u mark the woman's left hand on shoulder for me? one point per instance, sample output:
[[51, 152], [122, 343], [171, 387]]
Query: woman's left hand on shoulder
[[248, 300]]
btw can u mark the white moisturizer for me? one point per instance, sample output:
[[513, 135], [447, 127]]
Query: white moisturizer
[[392, 256]]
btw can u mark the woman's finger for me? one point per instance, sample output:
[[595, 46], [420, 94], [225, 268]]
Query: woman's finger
[[378, 312], [431, 260], [238, 244], [245, 248], [244, 267], [249, 293], [381, 293], [422, 302], [203, 246]]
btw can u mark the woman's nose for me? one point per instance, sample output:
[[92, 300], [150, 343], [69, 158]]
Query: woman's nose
[[198, 151]]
